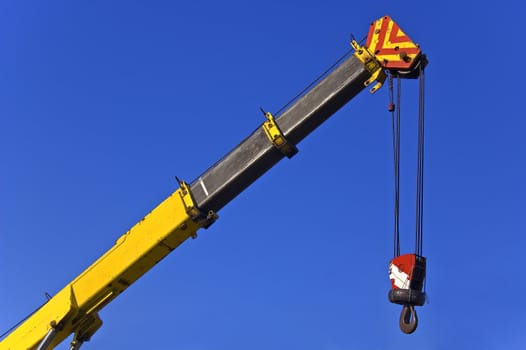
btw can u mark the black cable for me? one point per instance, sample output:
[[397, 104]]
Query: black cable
[[421, 102], [398, 118], [321, 76], [395, 120], [392, 106], [21, 321], [420, 168]]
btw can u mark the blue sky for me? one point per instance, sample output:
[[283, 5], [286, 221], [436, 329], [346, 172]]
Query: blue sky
[[102, 104]]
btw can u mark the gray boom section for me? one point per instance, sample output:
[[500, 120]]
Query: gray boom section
[[255, 155]]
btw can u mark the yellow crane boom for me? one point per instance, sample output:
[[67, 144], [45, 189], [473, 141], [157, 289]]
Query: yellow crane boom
[[74, 309]]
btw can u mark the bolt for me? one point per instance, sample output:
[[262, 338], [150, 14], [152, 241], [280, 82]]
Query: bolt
[[404, 56]]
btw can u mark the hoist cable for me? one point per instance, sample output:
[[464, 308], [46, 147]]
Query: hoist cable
[[420, 167], [20, 322], [421, 112], [394, 115], [320, 77], [395, 118], [398, 114]]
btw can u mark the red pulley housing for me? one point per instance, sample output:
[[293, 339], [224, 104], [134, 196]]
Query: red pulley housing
[[407, 273]]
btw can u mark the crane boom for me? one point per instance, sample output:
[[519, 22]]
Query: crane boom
[[255, 155], [74, 309]]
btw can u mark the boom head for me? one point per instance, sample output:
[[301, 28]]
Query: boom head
[[389, 50], [394, 50]]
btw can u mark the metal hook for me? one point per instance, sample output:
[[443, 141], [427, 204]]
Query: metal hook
[[408, 319]]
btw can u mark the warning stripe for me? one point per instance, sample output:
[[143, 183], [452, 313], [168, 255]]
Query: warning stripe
[[386, 41], [397, 35], [409, 51], [370, 35], [404, 45], [381, 35], [395, 38]]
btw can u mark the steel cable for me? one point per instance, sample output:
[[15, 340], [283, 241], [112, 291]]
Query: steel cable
[[420, 168]]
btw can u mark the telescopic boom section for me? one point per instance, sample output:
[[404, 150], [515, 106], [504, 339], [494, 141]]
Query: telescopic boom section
[[74, 309], [255, 155]]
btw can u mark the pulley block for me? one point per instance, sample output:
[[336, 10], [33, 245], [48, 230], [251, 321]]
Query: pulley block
[[407, 273]]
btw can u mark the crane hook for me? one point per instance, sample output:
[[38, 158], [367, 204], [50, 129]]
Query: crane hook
[[408, 319]]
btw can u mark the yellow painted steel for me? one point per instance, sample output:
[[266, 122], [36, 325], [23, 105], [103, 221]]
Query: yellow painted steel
[[204, 220], [74, 309], [372, 64], [391, 45], [277, 138]]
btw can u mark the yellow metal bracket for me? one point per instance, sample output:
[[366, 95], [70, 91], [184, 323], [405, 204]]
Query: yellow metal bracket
[[372, 64], [277, 138], [87, 327], [204, 220]]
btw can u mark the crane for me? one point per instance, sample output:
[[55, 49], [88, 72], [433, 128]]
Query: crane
[[74, 310]]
